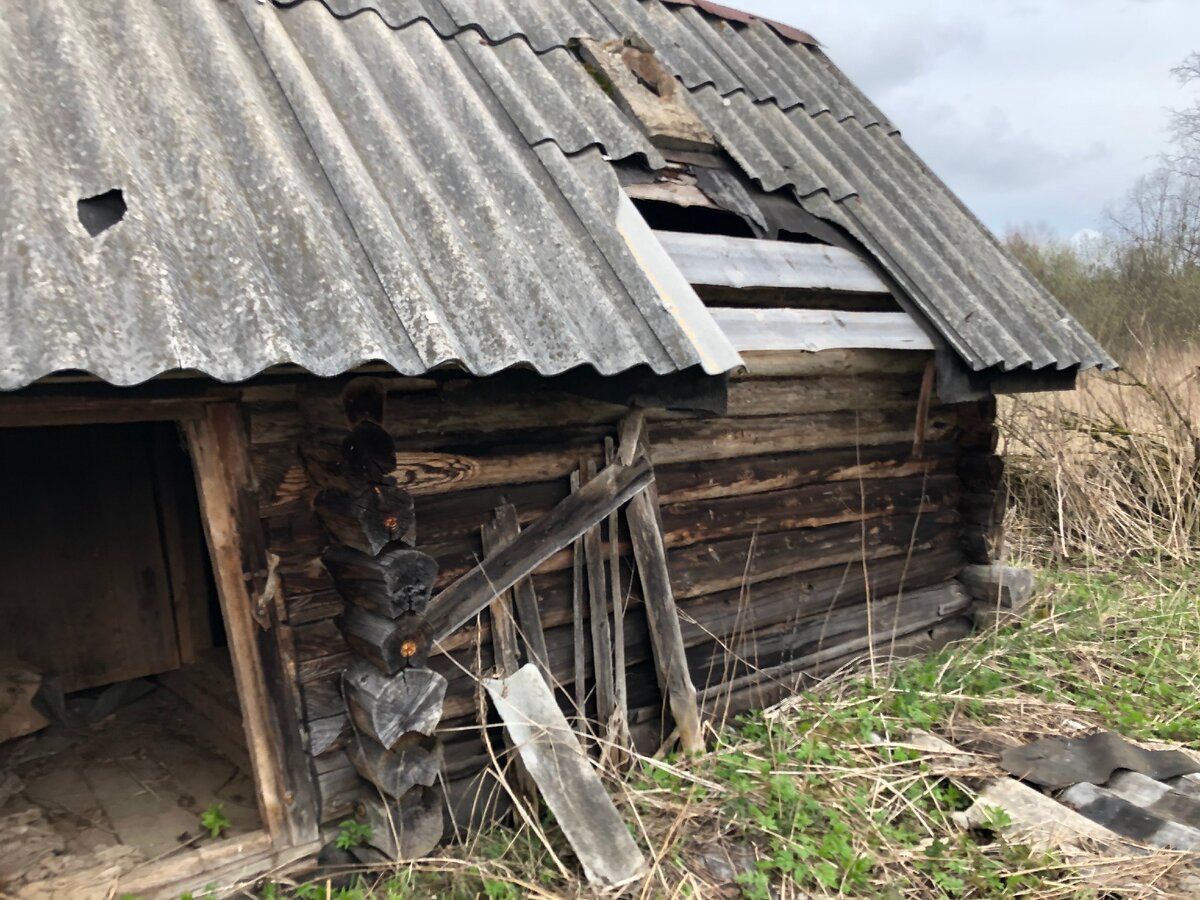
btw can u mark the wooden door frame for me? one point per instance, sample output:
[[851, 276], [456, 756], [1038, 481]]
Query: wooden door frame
[[251, 606]]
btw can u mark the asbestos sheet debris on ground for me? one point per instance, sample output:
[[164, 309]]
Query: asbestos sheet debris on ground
[[1100, 791]]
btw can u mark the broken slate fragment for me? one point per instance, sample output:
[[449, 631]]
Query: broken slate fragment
[[566, 777], [1056, 763]]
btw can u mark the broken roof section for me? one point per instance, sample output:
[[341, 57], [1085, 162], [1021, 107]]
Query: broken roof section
[[424, 182], [793, 122], [302, 189]]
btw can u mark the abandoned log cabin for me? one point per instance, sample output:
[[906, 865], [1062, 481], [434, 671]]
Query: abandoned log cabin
[[355, 350]]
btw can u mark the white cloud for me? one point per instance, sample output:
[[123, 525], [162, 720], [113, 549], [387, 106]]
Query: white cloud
[[1040, 111]]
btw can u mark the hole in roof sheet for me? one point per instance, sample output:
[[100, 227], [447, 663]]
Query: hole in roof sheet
[[98, 214]]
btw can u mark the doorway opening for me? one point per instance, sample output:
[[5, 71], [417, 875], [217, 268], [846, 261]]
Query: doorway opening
[[121, 738]]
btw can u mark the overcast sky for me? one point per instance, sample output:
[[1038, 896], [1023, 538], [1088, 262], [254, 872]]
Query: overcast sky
[[1032, 110]]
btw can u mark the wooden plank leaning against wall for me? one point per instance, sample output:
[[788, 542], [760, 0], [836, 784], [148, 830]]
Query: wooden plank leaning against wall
[[813, 460]]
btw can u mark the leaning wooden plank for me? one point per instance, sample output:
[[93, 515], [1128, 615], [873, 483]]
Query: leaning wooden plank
[[578, 618], [721, 261], [663, 618], [463, 599], [569, 784], [505, 646], [617, 738], [602, 642], [819, 329], [524, 597]]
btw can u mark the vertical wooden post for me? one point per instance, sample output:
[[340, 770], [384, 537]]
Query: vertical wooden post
[[645, 532], [263, 666]]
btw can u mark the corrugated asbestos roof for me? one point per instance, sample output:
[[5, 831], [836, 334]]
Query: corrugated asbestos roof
[[793, 121], [423, 182], [307, 190]]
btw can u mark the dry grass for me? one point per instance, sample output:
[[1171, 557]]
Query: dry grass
[[1111, 470]]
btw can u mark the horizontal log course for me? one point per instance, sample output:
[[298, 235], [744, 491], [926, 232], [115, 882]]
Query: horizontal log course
[[712, 439], [339, 791], [833, 634], [389, 644], [305, 609], [368, 519], [521, 450], [800, 598], [843, 502], [812, 506], [415, 760], [723, 565], [984, 508], [399, 581], [317, 640], [808, 594], [741, 476], [323, 667], [767, 686], [386, 708]]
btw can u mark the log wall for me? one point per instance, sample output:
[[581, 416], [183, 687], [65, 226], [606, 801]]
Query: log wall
[[781, 519]]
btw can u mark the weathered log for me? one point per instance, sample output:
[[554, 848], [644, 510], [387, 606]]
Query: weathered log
[[404, 829], [709, 439], [364, 399], [724, 565], [738, 477], [983, 544], [1007, 587], [391, 645], [398, 581], [461, 601], [414, 760], [841, 631], [807, 507], [388, 708], [981, 472], [329, 733], [367, 520]]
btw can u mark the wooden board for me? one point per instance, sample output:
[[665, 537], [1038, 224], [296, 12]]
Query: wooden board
[[86, 587], [569, 784], [813, 330], [720, 260]]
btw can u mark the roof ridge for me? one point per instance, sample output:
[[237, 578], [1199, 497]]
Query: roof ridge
[[731, 14]]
